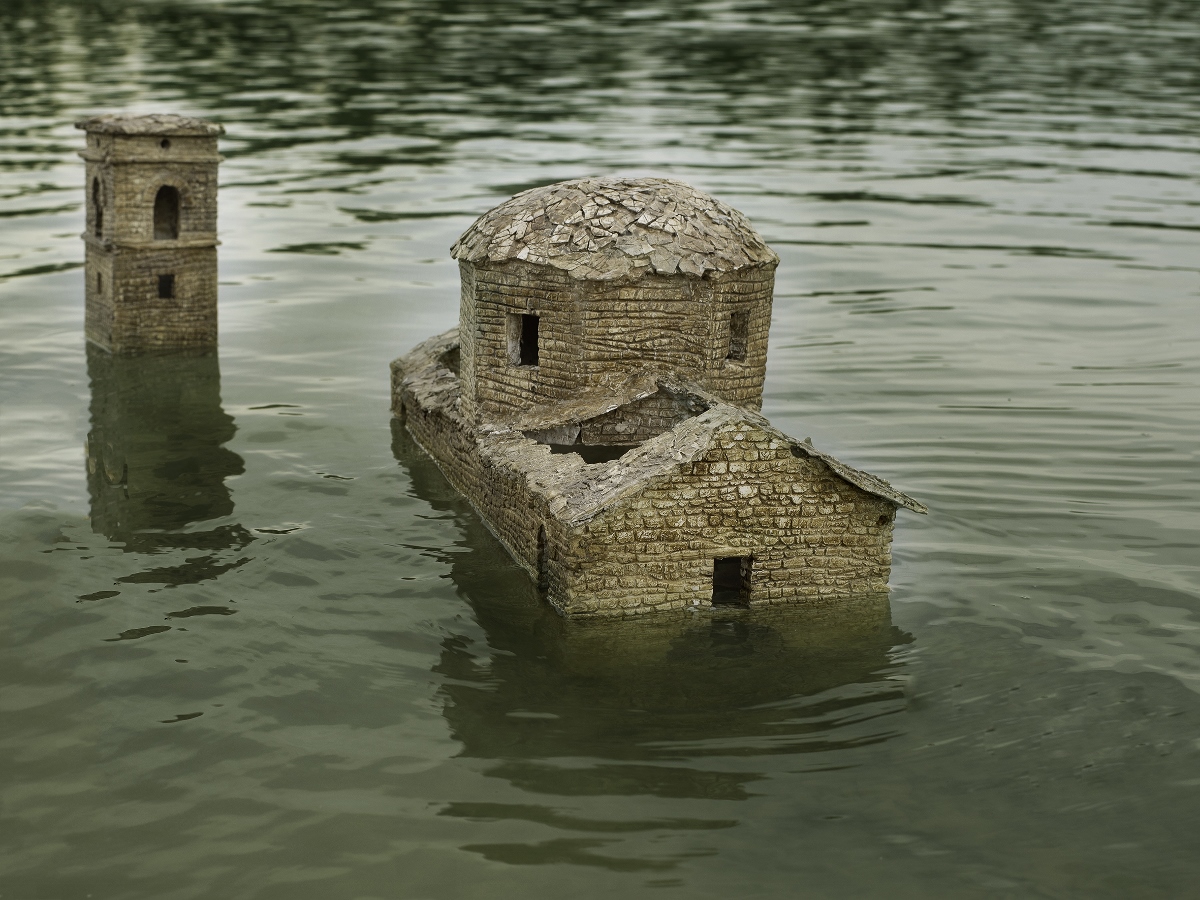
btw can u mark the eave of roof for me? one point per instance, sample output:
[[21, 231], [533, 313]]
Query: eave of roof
[[583, 499]]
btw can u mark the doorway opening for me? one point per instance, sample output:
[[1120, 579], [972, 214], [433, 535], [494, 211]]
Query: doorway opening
[[731, 580]]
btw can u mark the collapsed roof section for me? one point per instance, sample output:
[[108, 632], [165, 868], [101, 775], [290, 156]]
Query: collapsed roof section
[[577, 492]]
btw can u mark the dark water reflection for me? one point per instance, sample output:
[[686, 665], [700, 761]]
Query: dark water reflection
[[650, 690], [563, 709], [156, 456], [282, 660]]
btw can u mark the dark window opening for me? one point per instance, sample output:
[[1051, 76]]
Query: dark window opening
[[165, 144], [166, 287], [594, 453], [731, 581], [99, 210], [166, 214], [99, 284], [523, 339], [739, 335], [528, 352], [543, 562]]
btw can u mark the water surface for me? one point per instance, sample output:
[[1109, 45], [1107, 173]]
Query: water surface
[[255, 646]]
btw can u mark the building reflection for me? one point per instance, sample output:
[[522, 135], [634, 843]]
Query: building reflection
[[157, 461], [643, 700]]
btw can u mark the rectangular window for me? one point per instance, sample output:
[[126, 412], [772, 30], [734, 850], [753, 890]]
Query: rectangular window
[[739, 336], [166, 287], [523, 339], [731, 581]]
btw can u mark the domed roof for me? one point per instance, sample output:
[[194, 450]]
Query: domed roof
[[609, 228]]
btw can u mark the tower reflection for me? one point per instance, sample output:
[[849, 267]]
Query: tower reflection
[[645, 700], [156, 458]]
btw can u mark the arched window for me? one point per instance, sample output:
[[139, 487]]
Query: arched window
[[97, 208], [166, 214]]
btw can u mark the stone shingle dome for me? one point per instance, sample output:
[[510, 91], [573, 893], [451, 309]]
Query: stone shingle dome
[[608, 228]]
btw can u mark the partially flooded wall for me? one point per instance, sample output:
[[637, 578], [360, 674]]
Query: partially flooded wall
[[806, 534], [809, 535]]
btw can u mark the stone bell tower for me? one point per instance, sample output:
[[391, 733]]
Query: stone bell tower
[[151, 238]]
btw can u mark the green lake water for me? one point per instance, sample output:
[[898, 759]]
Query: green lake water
[[283, 659]]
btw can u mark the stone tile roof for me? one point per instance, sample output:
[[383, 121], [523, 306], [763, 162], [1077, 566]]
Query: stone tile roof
[[154, 123], [608, 228], [580, 498]]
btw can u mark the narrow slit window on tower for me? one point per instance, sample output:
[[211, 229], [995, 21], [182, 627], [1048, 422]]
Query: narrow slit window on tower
[[543, 560], [166, 287], [166, 214], [739, 335], [523, 339], [99, 285], [97, 208], [731, 581]]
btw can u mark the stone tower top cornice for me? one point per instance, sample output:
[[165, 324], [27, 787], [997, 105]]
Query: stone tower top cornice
[[152, 124]]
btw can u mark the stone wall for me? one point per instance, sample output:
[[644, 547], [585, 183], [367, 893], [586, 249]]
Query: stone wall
[[750, 292], [502, 389], [467, 342], [131, 169], [590, 332], [679, 325], [124, 310], [813, 537], [498, 490], [640, 420]]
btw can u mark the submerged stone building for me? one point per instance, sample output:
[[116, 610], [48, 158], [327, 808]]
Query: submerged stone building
[[151, 238], [598, 406]]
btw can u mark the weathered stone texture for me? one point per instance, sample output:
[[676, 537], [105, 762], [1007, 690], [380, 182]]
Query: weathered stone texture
[[639, 420], [811, 535], [625, 321], [591, 333], [129, 160], [124, 311], [617, 228], [641, 533]]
